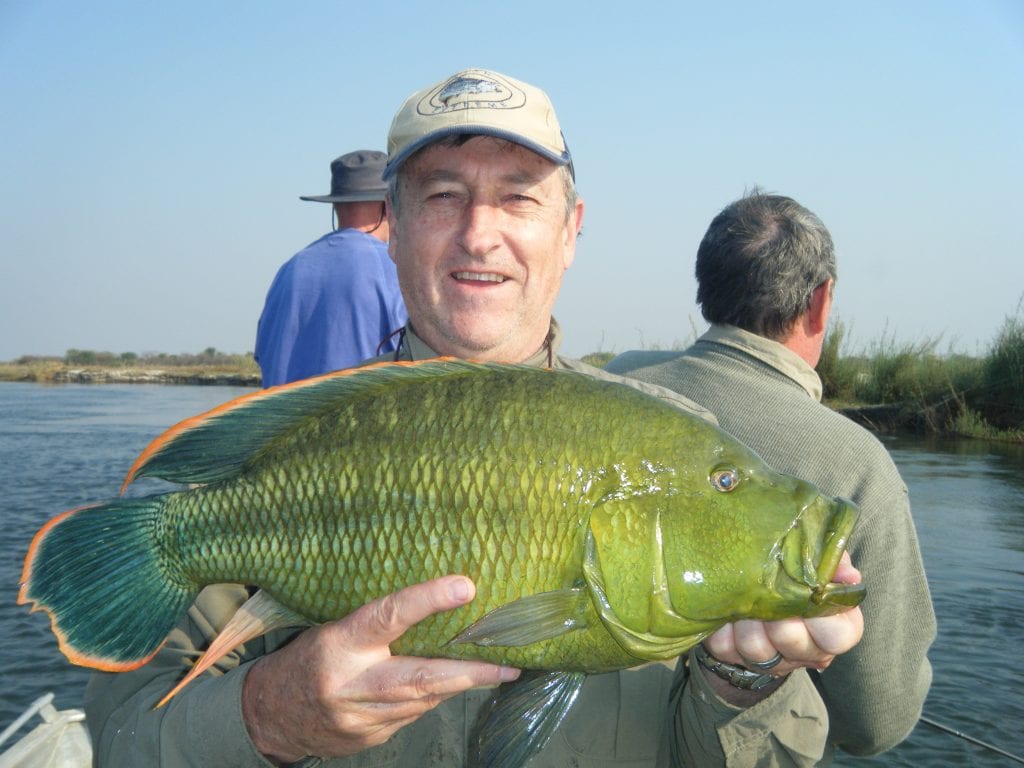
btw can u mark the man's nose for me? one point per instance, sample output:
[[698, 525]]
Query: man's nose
[[480, 229]]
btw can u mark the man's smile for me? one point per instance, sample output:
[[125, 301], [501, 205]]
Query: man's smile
[[480, 277]]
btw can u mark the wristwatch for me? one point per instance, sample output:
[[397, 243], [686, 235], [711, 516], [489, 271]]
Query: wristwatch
[[739, 677]]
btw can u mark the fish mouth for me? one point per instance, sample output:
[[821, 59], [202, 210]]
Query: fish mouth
[[811, 551]]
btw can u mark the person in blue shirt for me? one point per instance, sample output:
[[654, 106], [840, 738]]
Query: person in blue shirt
[[336, 302]]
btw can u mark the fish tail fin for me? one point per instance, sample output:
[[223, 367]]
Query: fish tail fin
[[101, 574]]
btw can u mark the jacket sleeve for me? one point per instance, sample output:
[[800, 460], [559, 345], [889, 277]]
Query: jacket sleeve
[[875, 692], [202, 725], [787, 728]]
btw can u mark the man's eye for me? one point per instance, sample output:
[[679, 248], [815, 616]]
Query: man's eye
[[522, 199]]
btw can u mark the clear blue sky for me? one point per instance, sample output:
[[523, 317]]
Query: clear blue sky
[[152, 154]]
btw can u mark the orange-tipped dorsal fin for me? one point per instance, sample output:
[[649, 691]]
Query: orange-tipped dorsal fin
[[217, 444]]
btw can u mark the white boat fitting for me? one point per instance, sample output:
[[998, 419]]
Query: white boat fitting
[[60, 741]]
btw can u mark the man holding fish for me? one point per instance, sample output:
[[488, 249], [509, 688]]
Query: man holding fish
[[483, 218]]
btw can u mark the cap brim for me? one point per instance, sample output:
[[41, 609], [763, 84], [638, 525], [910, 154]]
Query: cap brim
[[368, 197], [563, 158]]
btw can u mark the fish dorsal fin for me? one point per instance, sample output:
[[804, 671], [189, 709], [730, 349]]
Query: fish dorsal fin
[[521, 717], [257, 616], [217, 444]]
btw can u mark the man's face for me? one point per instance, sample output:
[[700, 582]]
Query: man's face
[[481, 240]]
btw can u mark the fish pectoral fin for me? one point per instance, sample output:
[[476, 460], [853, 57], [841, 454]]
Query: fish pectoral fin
[[257, 616], [530, 619], [521, 717]]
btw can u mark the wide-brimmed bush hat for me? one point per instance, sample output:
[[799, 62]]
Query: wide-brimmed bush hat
[[356, 177]]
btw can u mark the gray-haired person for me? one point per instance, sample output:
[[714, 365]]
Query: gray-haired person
[[766, 271]]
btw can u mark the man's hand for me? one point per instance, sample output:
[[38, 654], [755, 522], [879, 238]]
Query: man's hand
[[810, 643], [337, 690]]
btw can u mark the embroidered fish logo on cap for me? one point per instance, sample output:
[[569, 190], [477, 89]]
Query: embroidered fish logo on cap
[[466, 86], [461, 92]]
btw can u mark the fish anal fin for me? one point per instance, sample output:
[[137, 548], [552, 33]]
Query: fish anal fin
[[521, 717], [257, 616], [529, 619]]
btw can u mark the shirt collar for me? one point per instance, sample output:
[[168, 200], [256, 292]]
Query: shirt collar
[[415, 348], [779, 357]]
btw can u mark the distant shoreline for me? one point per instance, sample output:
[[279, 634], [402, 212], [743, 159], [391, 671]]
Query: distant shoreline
[[85, 376], [82, 374]]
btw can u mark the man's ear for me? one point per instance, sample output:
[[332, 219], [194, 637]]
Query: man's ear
[[572, 232], [821, 307], [389, 211]]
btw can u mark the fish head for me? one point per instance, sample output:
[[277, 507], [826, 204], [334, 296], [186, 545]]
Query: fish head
[[758, 544], [711, 542]]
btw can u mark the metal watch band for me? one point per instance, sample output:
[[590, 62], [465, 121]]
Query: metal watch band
[[739, 677]]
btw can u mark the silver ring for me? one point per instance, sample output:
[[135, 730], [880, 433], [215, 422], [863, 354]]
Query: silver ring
[[764, 666]]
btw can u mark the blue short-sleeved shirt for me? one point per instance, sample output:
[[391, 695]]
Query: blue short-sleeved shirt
[[330, 306]]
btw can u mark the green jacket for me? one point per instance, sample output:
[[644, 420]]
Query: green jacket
[[628, 718], [768, 397]]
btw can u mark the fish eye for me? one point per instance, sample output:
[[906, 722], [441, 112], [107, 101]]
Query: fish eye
[[725, 480]]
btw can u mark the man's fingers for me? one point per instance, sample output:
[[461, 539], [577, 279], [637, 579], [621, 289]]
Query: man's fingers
[[752, 642], [722, 643], [846, 573], [383, 621], [837, 634], [412, 679]]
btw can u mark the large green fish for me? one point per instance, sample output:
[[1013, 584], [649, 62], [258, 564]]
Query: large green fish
[[603, 527]]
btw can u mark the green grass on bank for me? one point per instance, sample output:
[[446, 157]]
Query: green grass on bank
[[945, 394]]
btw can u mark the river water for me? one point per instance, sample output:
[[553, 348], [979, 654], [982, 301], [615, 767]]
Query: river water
[[65, 446]]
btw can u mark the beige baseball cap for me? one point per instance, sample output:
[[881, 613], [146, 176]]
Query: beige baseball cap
[[477, 101]]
